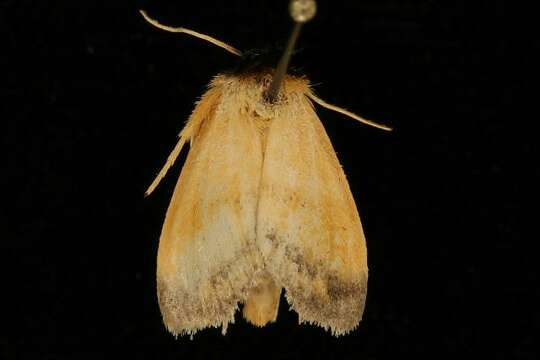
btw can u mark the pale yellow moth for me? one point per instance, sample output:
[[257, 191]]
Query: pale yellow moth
[[261, 205]]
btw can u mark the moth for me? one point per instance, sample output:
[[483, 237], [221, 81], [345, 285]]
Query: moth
[[262, 205]]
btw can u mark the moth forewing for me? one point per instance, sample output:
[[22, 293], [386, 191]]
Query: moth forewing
[[207, 259], [308, 228]]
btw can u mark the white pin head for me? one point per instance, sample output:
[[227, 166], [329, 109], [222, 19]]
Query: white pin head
[[302, 10]]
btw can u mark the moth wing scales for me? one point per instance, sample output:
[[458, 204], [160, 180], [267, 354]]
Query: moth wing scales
[[207, 256], [308, 227]]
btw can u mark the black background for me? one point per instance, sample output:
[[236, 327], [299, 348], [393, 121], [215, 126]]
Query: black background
[[92, 98]]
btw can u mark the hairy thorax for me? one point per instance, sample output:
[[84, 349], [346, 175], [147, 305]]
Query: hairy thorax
[[248, 94]]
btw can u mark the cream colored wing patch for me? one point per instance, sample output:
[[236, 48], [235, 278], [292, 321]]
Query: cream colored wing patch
[[207, 256], [308, 228]]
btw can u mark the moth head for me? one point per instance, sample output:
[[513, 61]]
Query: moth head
[[257, 67]]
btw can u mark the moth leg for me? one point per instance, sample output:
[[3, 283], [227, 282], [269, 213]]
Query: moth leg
[[184, 135]]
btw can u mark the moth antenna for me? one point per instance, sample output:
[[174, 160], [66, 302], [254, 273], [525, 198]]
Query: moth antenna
[[346, 112], [205, 37], [301, 11], [184, 135]]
